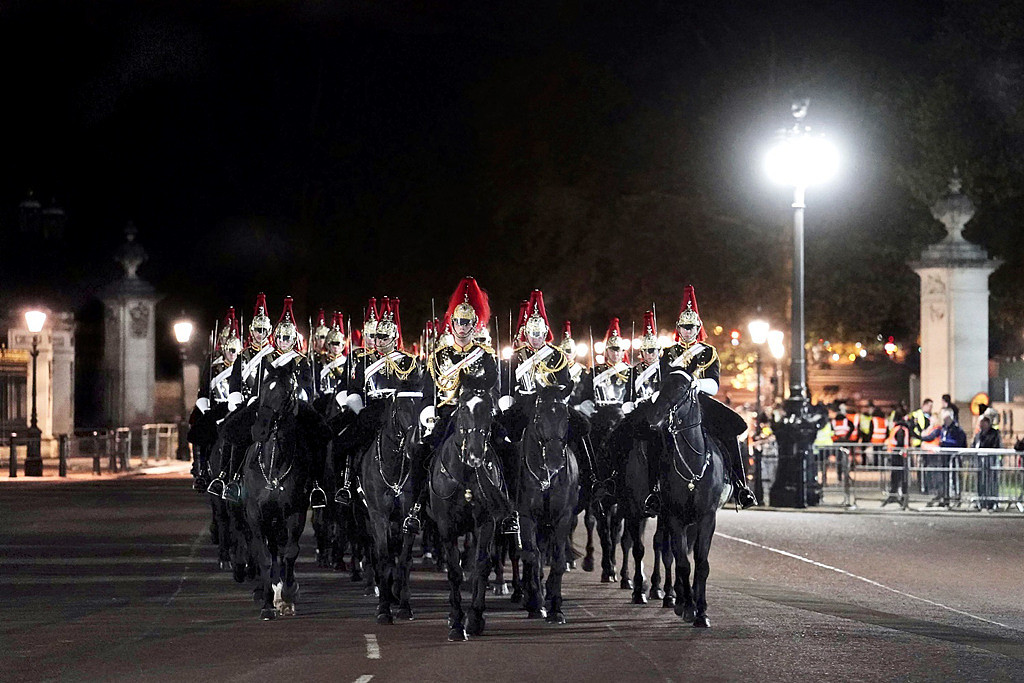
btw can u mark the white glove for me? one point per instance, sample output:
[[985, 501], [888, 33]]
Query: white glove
[[252, 400], [654, 396], [428, 416], [707, 385], [628, 407], [505, 402], [340, 398], [234, 400], [354, 403], [203, 404], [587, 408]]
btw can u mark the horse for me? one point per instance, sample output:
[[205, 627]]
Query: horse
[[632, 487], [468, 495], [692, 482], [387, 492], [547, 493], [277, 471]]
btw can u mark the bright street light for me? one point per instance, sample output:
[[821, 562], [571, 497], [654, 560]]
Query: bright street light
[[183, 331]]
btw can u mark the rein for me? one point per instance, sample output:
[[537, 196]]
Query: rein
[[403, 473], [544, 484], [275, 418]]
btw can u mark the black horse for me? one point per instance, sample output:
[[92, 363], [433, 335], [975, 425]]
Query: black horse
[[277, 471], [547, 493], [468, 495], [632, 488], [692, 481], [388, 494]]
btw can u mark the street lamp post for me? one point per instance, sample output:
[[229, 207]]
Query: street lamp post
[[798, 160], [758, 335], [34, 456], [182, 333]]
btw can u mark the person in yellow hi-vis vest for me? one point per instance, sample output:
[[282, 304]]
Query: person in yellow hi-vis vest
[[922, 421]]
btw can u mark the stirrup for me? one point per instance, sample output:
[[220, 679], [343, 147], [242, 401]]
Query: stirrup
[[343, 496], [216, 487], [317, 497], [232, 492], [200, 482], [744, 496], [412, 524], [652, 504]]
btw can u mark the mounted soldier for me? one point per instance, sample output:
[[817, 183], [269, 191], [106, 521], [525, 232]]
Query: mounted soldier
[[466, 363], [212, 401], [331, 366], [644, 378], [378, 370], [242, 383], [539, 363], [692, 354]]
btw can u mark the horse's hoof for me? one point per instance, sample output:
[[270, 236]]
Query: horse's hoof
[[339, 566], [385, 618], [536, 614], [687, 613], [456, 634], [626, 583], [502, 588], [268, 614], [224, 565], [701, 621], [406, 614], [555, 618], [517, 596], [588, 563], [475, 626], [238, 573], [668, 601], [356, 576], [570, 565], [371, 591], [639, 599], [656, 594], [287, 609], [257, 596], [607, 577]]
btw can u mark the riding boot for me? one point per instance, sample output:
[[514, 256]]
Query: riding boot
[[652, 504], [419, 474], [744, 496], [200, 469]]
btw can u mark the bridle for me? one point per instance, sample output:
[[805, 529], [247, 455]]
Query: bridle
[[534, 427], [403, 472], [274, 484], [675, 430]]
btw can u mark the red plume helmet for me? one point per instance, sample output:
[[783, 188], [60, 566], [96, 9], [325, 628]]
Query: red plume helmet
[[613, 337], [535, 309], [469, 300], [357, 338], [688, 313], [520, 333], [566, 330]]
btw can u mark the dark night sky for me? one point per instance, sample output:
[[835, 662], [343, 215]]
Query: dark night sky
[[335, 150]]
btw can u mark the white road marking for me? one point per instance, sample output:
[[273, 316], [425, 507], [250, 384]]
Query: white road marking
[[372, 647], [365, 678], [829, 567]]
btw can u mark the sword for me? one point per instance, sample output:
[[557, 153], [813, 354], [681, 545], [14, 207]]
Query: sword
[[311, 352], [433, 316], [654, 311], [497, 343]]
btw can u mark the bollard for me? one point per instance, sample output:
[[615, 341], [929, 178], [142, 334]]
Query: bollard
[[62, 453], [108, 441], [14, 459], [905, 501], [145, 447], [848, 498], [96, 469]]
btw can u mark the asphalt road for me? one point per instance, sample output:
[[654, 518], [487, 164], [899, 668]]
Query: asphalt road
[[117, 580]]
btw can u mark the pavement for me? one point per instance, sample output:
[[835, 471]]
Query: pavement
[[115, 579]]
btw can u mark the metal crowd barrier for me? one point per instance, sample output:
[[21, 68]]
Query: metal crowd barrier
[[971, 478], [95, 450]]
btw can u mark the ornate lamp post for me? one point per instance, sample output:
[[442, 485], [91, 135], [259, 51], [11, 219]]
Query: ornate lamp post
[[34, 457], [758, 335], [183, 333], [798, 160]]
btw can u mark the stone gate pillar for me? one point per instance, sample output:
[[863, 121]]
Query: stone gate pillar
[[129, 340], [954, 305]]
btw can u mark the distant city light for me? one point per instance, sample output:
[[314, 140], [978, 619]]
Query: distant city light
[[506, 352], [581, 350], [626, 344], [863, 353], [835, 356], [599, 348], [598, 358], [664, 341]]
